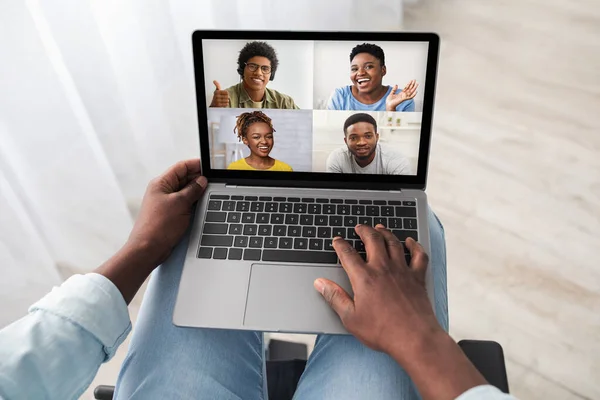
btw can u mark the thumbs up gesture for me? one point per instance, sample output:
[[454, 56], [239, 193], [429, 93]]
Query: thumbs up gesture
[[220, 97]]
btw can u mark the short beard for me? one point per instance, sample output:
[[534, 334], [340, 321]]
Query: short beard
[[362, 158]]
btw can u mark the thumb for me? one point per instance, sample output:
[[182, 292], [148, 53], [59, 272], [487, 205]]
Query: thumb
[[217, 85], [194, 189], [337, 297]]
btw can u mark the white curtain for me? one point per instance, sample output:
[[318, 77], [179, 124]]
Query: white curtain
[[96, 98]]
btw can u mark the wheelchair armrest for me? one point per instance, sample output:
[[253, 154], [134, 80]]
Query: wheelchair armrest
[[488, 358]]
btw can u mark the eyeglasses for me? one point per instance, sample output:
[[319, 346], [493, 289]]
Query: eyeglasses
[[266, 69]]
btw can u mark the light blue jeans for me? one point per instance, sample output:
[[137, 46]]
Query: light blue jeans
[[168, 362]]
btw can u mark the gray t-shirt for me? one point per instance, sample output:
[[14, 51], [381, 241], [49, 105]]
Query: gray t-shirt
[[386, 162]]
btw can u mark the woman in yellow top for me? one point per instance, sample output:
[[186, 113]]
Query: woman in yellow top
[[255, 130]]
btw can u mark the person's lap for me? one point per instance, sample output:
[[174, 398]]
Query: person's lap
[[166, 361]]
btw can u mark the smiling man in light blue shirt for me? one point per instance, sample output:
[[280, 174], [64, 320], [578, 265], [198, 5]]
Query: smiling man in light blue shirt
[[367, 93]]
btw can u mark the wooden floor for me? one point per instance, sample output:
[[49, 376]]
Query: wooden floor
[[515, 178]]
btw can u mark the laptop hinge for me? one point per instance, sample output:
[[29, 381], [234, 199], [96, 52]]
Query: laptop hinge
[[320, 189]]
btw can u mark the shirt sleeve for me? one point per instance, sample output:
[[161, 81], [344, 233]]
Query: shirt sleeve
[[406, 106], [398, 165], [55, 351], [333, 163], [487, 392], [334, 102]]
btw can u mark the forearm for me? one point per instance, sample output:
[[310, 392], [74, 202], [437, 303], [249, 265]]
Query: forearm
[[439, 368]]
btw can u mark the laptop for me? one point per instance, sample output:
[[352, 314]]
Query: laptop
[[302, 137]]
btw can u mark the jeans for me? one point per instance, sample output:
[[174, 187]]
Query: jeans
[[169, 362]]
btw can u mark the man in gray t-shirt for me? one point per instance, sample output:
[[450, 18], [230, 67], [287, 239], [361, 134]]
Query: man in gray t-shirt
[[363, 154]]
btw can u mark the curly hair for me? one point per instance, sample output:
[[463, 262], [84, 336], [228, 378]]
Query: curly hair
[[371, 49], [248, 118], [257, 49]]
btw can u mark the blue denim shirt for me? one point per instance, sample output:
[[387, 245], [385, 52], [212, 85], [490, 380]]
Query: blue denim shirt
[[55, 351]]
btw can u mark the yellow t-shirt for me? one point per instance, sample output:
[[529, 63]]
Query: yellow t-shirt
[[243, 165]]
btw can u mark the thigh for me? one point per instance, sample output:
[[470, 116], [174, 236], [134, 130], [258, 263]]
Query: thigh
[[168, 362], [342, 367]]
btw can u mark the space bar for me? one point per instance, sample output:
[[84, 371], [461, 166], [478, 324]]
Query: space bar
[[319, 257]]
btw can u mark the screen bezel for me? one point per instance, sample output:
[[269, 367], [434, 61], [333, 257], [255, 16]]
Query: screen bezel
[[318, 179]]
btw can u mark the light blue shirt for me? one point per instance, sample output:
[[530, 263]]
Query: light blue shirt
[[343, 99], [55, 351]]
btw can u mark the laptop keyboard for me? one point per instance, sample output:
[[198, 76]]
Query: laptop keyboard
[[295, 229]]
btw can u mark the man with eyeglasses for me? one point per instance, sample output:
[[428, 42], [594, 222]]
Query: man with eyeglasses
[[367, 93], [257, 64]]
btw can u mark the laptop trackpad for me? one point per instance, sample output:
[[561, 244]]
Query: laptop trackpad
[[282, 298]]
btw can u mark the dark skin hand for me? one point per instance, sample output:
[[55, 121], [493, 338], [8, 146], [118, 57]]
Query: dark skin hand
[[163, 219], [391, 313], [220, 96]]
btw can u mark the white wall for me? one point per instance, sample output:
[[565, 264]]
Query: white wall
[[293, 136], [294, 75], [404, 61], [328, 128]]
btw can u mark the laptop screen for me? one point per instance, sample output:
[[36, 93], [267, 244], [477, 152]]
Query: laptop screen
[[349, 107]]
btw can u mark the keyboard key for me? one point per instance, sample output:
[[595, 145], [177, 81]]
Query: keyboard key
[[387, 211], [394, 203], [236, 229], [301, 243], [328, 208], [363, 255], [380, 220], [339, 232], [315, 244], [285, 243], [228, 206], [219, 196], [215, 229], [240, 241], [291, 219], [262, 218], [410, 223], [271, 243], [234, 217], [276, 219], [271, 207], [256, 242], [294, 231], [403, 235], [352, 235], [359, 245], [213, 240], [294, 199], [308, 200], [336, 201], [365, 202], [380, 202], [242, 206], [373, 211], [257, 206], [264, 230], [213, 216], [350, 221], [409, 203], [250, 230], [278, 199], [220, 253], [248, 218], [279, 230], [328, 245], [351, 201], [408, 259], [314, 209], [406, 212], [343, 209], [252, 254], [300, 208], [309, 231], [285, 207], [394, 223], [303, 256], [251, 198], [366, 221], [322, 201], [205, 252], [335, 220], [235, 254], [358, 210], [324, 232], [307, 220], [265, 198], [214, 205], [321, 220], [237, 197]]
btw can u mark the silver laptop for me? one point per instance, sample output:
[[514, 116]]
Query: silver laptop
[[298, 147]]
